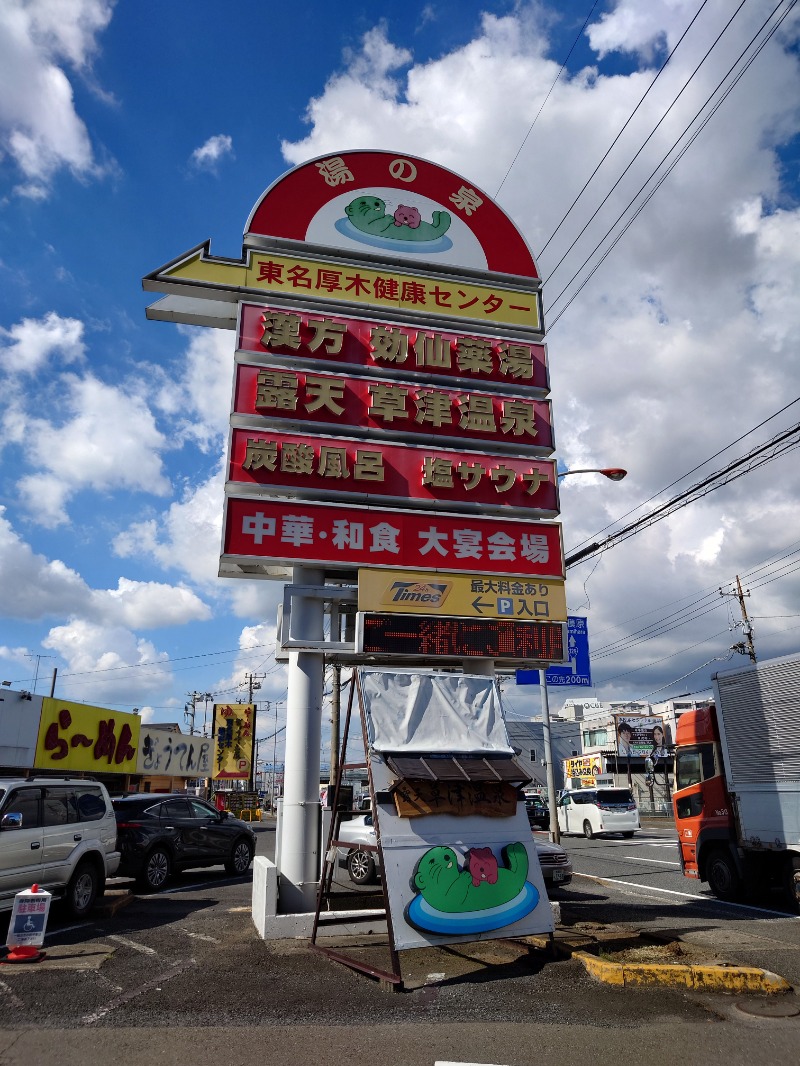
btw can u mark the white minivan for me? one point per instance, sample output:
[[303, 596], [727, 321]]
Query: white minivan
[[591, 811]]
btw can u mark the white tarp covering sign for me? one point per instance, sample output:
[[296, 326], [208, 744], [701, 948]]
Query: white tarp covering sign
[[450, 878], [433, 712]]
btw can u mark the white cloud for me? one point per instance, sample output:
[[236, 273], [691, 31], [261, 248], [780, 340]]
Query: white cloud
[[215, 148], [187, 537], [198, 401], [148, 604], [685, 338], [28, 345], [110, 443], [14, 655], [39, 126], [35, 588], [107, 664]]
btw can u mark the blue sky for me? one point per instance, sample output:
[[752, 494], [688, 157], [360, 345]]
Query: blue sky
[[130, 133]]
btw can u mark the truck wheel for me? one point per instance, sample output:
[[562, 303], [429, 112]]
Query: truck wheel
[[792, 881], [723, 877]]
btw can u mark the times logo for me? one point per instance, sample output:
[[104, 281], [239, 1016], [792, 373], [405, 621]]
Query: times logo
[[429, 594]]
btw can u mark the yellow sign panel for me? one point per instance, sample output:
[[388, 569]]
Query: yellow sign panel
[[461, 595], [73, 736], [584, 767], [286, 275], [234, 741]]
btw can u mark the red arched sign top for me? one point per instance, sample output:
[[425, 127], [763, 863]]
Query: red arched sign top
[[394, 204]]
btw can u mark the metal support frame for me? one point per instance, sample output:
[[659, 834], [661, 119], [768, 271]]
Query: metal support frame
[[390, 979], [335, 595]]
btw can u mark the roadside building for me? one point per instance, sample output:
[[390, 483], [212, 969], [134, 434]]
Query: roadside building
[[528, 737], [41, 736]]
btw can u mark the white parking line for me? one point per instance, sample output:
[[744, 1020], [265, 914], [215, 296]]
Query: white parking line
[[661, 862], [132, 944], [688, 895], [14, 1000]]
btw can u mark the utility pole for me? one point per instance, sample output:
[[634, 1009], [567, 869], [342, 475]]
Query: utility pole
[[253, 684], [38, 656], [745, 647], [190, 710], [336, 702]]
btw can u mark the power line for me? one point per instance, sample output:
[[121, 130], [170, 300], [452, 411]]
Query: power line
[[694, 469], [536, 119], [783, 442], [669, 169], [625, 125]]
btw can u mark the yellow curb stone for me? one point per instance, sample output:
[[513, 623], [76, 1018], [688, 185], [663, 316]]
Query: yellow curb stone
[[609, 972], [738, 979], [641, 973], [698, 978]]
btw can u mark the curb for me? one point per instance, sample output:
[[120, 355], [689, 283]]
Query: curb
[[697, 978]]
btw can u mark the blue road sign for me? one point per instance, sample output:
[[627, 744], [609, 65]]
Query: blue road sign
[[577, 672]]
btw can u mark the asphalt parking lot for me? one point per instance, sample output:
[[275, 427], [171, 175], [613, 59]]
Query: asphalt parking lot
[[183, 972]]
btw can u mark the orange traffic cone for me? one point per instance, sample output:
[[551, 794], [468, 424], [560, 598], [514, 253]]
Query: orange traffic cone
[[24, 953]]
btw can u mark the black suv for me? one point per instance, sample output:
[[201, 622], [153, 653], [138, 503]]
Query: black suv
[[159, 834]]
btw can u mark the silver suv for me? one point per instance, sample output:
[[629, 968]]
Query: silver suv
[[59, 833]]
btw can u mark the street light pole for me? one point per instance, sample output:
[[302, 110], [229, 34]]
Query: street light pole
[[555, 835], [613, 473]]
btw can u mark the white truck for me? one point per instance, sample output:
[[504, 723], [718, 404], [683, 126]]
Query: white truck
[[737, 781]]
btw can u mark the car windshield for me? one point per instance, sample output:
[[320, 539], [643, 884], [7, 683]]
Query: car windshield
[[614, 795], [2, 793]]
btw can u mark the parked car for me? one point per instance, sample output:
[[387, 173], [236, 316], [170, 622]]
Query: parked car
[[161, 834], [591, 811], [555, 863], [60, 834], [538, 813], [362, 865]]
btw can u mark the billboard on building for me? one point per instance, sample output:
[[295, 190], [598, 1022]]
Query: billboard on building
[[583, 768], [171, 753], [639, 735], [75, 736]]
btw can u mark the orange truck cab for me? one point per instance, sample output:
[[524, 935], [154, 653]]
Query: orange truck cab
[[701, 804]]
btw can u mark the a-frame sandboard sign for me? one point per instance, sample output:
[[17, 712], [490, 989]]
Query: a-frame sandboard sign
[[454, 848]]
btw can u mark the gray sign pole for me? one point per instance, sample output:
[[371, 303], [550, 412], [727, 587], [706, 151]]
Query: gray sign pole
[[555, 836], [299, 844]]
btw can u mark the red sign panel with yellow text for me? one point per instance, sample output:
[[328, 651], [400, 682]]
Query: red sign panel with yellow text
[[306, 338], [291, 464], [400, 408], [289, 532], [73, 736]]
